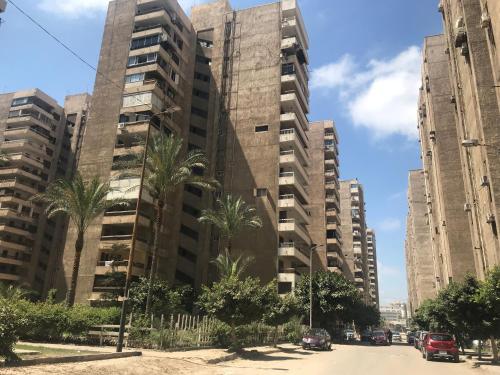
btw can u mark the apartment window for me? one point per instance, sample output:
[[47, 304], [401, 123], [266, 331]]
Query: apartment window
[[261, 128], [200, 93], [261, 192], [145, 42], [199, 112], [142, 59], [178, 41], [198, 131], [189, 232], [183, 278], [205, 43], [171, 93], [174, 77], [192, 147], [144, 98], [287, 69], [20, 101], [134, 78], [201, 77], [191, 210], [284, 288], [187, 254], [175, 58], [203, 60], [194, 190]]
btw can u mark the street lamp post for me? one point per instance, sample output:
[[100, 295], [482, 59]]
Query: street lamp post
[[123, 314], [313, 247]]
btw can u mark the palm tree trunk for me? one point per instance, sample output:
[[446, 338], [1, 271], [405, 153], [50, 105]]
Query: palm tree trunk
[[229, 246], [158, 221], [70, 295]]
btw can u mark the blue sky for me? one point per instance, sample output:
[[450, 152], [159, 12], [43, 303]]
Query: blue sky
[[365, 63]]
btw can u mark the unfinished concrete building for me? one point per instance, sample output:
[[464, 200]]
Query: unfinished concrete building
[[371, 243], [418, 248], [353, 228], [471, 29], [325, 197], [452, 249], [37, 137]]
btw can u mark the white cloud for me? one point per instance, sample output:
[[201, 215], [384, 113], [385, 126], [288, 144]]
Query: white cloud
[[389, 225], [382, 96], [89, 8]]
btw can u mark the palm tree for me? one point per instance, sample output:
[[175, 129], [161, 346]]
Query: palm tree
[[229, 268], [166, 169], [83, 202], [232, 217]]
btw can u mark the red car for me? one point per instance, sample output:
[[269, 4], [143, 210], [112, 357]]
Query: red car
[[440, 345], [379, 338]]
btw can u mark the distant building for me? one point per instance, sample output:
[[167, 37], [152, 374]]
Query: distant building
[[394, 315]]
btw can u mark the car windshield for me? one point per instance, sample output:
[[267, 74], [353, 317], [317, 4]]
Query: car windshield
[[315, 332], [378, 333], [441, 337]]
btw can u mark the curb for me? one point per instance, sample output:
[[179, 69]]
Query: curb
[[73, 358], [223, 358]]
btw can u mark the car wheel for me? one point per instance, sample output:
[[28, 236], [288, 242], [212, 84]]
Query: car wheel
[[428, 357], [330, 346], [423, 354], [456, 359]]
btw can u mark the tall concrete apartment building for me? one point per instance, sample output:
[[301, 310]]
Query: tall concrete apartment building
[[419, 258], [452, 249], [371, 243], [325, 197], [239, 80], [40, 139], [354, 236], [472, 32]]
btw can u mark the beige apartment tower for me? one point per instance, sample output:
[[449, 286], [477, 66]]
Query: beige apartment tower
[[325, 197], [418, 248], [371, 243], [39, 139], [354, 236]]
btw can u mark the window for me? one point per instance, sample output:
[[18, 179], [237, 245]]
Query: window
[[199, 112], [194, 190], [189, 232], [183, 278], [284, 288], [142, 59], [191, 210], [187, 254], [174, 76], [287, 69], [144, 98], [20, 101], [192, 147], [175, 58], [198, 131], [261, 128], [201, 77], [200, 94], [147, 41], [203, 60], [205, 43], [134, 78], [261, 192]]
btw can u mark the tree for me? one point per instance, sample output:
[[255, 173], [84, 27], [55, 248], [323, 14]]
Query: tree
[[280, 310], [366, 316], [334, 298], [83, 202], [489, 297], [166, 168], [165, 299], [4, 158], [229, 268], [235, 302], [10, 325], [232, 216]]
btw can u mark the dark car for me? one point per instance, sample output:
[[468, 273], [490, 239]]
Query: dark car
[[366, 336], [379, 338], [439, 345], [317, 338], [410, 338]]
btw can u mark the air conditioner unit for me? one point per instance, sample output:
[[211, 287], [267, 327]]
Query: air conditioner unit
[[122, 125], [432, 135], [490, 218], [441, 7], [484, 181], [467, 207], [485, 20], [453, 99], [464, 50]]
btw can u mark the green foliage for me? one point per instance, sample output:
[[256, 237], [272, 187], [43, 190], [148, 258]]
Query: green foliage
[[165, 299], [489, 297], [280, 310], [334, 298], [13, 292], [229, 268], [294, 330], [366, 316], [10, 323]]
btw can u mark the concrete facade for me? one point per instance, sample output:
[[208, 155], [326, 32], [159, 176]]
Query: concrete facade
[[418, 245], [354, 237], [37, 135], [452, 249], [371, 242]]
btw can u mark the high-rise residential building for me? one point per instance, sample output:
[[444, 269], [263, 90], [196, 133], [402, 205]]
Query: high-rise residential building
[[395, 315], [353, 228], [239, 80], [418, 248], [452, 250], [142, 89], [325, 197], [258, 100], [471, 31], [371, 243], [37, 137]]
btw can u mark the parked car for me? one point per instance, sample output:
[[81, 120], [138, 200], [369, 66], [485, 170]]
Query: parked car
[[440, 345], [415, 339], [410, 337], [396, 337], [419, 337], [349, 335], [366, 336], [379, 338], [317, 338]]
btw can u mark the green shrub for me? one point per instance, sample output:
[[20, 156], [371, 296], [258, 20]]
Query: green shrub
[[294, 330], [10, 324], [82, 318]]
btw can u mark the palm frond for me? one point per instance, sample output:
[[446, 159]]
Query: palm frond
[[229, 268]]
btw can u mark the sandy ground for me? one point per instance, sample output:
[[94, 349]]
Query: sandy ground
[[346, 359]]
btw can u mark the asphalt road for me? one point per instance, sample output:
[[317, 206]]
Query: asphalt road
[[349, 360]]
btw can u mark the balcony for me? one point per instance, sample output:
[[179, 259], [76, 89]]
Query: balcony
[[31, 119], [291, 11], [17, 231], [291, 277], [107, 243], [289, 181], [295, 209], [15, 261], [9, 277], [291, 121], [291, 229], [292, 45], [21, 158], [290, 103], [6, 212], [103, 268], [289, 160], [291, 84], [6, 172], [289, 139], [5, 244], [24, 145], [359, 280], [289, 250], [124, 217], [334, 259], [17, 184], [333, 244], [28, 133]]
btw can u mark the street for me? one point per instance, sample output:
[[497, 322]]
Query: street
[[288, 359]]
